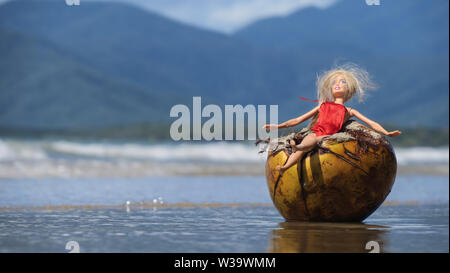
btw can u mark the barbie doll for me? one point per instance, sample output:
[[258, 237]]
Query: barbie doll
[[334, 88]]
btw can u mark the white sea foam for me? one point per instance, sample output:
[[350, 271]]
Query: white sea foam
[[427, 155], [21, 150], [40, 150], [221, 151]]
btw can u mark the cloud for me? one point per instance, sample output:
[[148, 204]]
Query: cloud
[[241, 13], [224, 15], [220, 15]]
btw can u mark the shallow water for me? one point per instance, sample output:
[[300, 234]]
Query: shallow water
[[243, 220], [195, 189], [225, 229]]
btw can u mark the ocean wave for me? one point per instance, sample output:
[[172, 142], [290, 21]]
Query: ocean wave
[[212, 151], [21, 150], [416, 155], [25, 150]]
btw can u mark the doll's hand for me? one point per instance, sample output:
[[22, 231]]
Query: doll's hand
[[270, 126], [394, 133]]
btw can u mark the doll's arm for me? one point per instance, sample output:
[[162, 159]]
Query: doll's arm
[[377, 127], [293, 122], [300, 119]]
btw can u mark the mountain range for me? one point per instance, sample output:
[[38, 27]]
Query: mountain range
[[105, 64]]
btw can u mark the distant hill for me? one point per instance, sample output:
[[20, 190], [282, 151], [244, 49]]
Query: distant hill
[[153, 53], [104, 64], [394, 28], [404, 44], [42, 87], [148, 49]]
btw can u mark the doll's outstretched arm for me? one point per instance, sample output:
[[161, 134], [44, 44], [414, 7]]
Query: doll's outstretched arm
[[293, 122], [376, 126]]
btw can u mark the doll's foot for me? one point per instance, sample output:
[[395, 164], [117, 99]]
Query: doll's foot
[[280, 170]]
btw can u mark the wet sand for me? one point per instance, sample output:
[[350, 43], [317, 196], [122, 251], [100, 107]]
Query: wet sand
[[207, 214], [231, 229]]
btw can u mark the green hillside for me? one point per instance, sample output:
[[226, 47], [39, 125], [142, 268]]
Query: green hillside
[[43, 87], [109, 64]]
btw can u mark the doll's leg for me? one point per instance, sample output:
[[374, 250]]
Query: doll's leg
[[306, 145], [293, 158]]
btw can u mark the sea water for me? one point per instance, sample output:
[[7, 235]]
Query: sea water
[[121, 196], [214, 214], [44, 158]]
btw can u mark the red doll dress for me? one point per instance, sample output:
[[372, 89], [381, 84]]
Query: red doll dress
[[331, 118]]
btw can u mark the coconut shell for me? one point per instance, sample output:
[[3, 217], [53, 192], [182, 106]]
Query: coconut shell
[[344, 179]]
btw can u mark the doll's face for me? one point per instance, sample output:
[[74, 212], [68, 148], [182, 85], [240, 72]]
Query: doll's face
[[339, 86]]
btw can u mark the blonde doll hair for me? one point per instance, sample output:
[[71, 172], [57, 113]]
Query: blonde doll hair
[[358, 81]]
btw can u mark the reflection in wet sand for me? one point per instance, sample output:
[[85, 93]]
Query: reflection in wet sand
[[320, 237]]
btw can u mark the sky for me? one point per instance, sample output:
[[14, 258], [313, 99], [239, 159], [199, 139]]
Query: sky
[[224, 16]]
